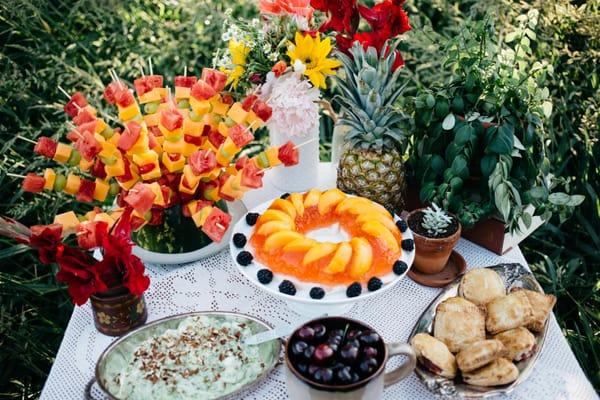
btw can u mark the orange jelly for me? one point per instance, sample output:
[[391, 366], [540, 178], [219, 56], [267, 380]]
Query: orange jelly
[[290, 263]]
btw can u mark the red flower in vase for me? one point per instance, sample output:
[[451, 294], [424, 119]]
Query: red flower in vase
[[388, 16], [343, 15], [46, 239], [78, 270]]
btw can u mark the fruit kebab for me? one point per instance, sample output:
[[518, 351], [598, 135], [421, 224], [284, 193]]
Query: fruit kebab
[[83, 189]]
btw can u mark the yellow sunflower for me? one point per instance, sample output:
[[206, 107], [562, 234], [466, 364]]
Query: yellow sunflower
[[238, 52], [312, 52]]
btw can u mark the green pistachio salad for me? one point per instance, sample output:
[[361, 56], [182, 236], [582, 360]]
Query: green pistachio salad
[[202, 358]]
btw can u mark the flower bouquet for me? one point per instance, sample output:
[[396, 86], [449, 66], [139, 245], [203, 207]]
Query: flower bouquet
[[115, 282], [282, 60], [172, 160]]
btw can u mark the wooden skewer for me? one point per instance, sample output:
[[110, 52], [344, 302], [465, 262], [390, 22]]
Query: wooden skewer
[[150, 65], [64, 92], [141, 69], [116, 78], [220, 226], [26, 139], [185, 70], [72, 126], [15, 175], [305, 143]]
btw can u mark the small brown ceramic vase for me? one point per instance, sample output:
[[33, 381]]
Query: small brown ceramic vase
[[431, 254], [117, 311]]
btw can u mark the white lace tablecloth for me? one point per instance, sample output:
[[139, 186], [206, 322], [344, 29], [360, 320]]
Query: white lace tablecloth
[[214, 284]]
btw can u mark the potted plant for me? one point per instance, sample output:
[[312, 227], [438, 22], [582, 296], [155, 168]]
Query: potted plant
[[480, 149], [436, 232], [114, 282]]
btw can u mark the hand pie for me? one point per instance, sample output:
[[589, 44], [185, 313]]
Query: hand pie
[[519, 342], [481, 285], [458, 322], [542, 306], [498, 372], [478, 354], [508, 312], [434, 355]]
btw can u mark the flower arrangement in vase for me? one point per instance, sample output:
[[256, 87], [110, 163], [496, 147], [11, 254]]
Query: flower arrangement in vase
[[282, 60], [173, 159], [480, 146], [114, 283]]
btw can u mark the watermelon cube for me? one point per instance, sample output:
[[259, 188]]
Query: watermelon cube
[[88, 146], [86, 191], [215, 138], [202, 91], [185, 81], [76, 102], [216, 79], [252, 176], [90, 234], [129, 136], [202, 161], [249, 102], [240, 135], [216, 224], [45, 147], [288, 154], [33, 183], [141, 198], [171, 119], [83, 115], [262, 110], [110, 92]]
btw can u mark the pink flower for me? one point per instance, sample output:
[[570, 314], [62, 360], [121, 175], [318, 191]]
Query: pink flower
[[298, 8]]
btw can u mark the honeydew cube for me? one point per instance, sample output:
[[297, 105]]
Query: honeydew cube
[[182, 92], [272, 156], [173, 147], [101, 189], [100, 125], [116, 169], [200, 107], [237, 113], [152, 119], [192, 128], [49, 178], [201, 216], [63, 152], [254, 121], [173, 166], [151, 96], [73, 184], [69, 222], [219, 107], [85, 165], [129, 112]]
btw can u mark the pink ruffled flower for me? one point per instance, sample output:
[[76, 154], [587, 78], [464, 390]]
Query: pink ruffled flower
[[298, 8]]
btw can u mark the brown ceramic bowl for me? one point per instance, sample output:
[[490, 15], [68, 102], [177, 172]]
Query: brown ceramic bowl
[[431, 254]]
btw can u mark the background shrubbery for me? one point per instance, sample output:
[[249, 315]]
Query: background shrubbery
[[45, 43]]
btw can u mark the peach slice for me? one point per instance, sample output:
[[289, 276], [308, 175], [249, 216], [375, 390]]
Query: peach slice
[[362, 257], [280, 239], [318, 251], [275, 215], [380, 232], [285, 206], [273, 226], [340, 259], [298, 202], [312, 198], [329, 199], [377, 216], [300, 245], [360, 205]]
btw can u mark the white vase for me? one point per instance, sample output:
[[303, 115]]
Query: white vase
[[300, 177]]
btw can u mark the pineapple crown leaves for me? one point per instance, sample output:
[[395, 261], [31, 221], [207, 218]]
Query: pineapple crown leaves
[[367, 97]]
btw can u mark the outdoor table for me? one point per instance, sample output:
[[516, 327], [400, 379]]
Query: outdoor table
[[214, 284]]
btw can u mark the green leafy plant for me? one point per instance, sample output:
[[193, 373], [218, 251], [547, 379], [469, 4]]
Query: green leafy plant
[[480, 143]]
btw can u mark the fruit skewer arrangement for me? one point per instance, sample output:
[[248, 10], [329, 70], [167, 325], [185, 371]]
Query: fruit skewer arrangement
[[169, 149]]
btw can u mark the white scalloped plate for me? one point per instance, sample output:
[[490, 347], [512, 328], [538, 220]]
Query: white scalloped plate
[[334, 295]]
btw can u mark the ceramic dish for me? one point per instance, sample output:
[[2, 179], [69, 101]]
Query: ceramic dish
[[119, 351], [514, 276], [301, 301], [237, 210]]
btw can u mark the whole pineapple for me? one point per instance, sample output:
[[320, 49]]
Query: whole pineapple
[[371, 164]]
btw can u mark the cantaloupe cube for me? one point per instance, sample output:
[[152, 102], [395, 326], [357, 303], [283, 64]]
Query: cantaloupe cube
[[101, 189], [219, 107], [147, 157], [69, 222], [170, 165], [114, 139], [200, 107], [151, 96], [182, 92], [152, 119], [116, 169], [192, 128], [153, 174], [49, 178], [189, 148], [173, 135], [201, 216], [129, 112], [108, 149], [73, 184], [130, 183], [85, 165], [63, 152], [189, 175], [106, 218], [159, 200], [253, 121], [272, 156], [173, 147], [237, 113]]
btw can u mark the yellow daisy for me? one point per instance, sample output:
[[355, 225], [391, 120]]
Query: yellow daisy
[[312, 52], [238, 52]]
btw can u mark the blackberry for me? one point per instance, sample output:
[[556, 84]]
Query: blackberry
[[400, 267], [354, 290], [401, 224], [374, 284], [244, 258], [287, 287], [251, 218], [239, 240], [264, 276], [317, 293], [284, 196], [408, 244]]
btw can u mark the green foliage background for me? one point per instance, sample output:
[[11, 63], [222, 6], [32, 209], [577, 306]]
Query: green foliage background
[[45, 43]]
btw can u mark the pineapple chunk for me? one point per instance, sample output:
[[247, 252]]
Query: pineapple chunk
[[319, 251], [273, 226], [298, 202], [329, 199], [285, 206], [275, 215], [379, 231], [379, 217], [129, 112], [312, 198], [182, 92], [340, 259], [362, 257], [280, 239], [49, 178], [300, 245]]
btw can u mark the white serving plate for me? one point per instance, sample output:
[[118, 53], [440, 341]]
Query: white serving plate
[[335, 300], [237, 210]]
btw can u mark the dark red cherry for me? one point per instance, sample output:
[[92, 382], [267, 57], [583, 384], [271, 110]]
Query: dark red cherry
[[306, 333], [308, 352], [368, 366], [344, 375], [369, 338], [320, 331], [299, 347], [370, 352], [349, 353], [323, 354]]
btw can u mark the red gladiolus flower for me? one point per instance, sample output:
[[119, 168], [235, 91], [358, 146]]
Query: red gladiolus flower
[[387, 15], [343, 15], [78, 270], [46, 239]]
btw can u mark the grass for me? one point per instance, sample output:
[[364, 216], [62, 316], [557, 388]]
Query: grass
[[45, 43]]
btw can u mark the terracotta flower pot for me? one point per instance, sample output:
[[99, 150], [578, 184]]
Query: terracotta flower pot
[[117, 311], [432, 254]]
